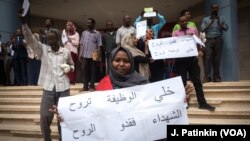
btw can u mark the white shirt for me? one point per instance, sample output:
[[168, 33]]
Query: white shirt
[[122, 32], [51, 74]]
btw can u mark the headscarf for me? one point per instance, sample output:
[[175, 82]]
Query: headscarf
[[131, 79], [127, 42]]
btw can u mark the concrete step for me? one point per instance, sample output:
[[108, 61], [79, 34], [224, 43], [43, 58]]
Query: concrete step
[[222, 112], [19, 116], [213, 102], [20, 109], [23, 118], [20, 101], [225, 85], [222, 91], [11, 138], [26, 129], [20, 88], [232, 102], [239, 98], [234, 93]]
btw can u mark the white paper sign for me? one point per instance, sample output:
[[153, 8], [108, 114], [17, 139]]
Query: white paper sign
[[26, 5], [138, 113], [173, 47], [141, 28], [64, 37], [198, 41], [151, 14]]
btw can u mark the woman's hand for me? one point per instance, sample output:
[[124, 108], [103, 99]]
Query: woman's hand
[[188, 89], [54, 110]]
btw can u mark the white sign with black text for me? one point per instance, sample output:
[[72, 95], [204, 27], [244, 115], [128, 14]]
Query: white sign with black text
[[139, 113], [173, 47], [141, 28]]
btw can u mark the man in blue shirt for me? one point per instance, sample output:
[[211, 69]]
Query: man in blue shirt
[[157, 27], [213, 26]]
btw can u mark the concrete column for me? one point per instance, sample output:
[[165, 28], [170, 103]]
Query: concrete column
[[9, 20], [230, 60]]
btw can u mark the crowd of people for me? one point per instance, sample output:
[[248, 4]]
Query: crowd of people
[[17, 57], [39, 58]]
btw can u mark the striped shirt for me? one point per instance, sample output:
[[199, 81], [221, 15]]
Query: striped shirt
[[90, 41], [51, 74]]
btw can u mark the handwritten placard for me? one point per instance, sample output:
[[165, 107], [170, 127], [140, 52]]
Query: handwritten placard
[[152, 14], [148, 9], [141, 28], [149, 12], [141, 112], [26, 5], [173, 47], [198, 41], [64, 37]]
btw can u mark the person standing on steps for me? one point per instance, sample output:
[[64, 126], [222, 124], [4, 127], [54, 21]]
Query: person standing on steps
[[190, 65], [90, 42], [213, 26], [56, 63]]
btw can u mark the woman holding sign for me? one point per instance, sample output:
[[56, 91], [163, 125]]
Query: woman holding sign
[[121, 75]]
